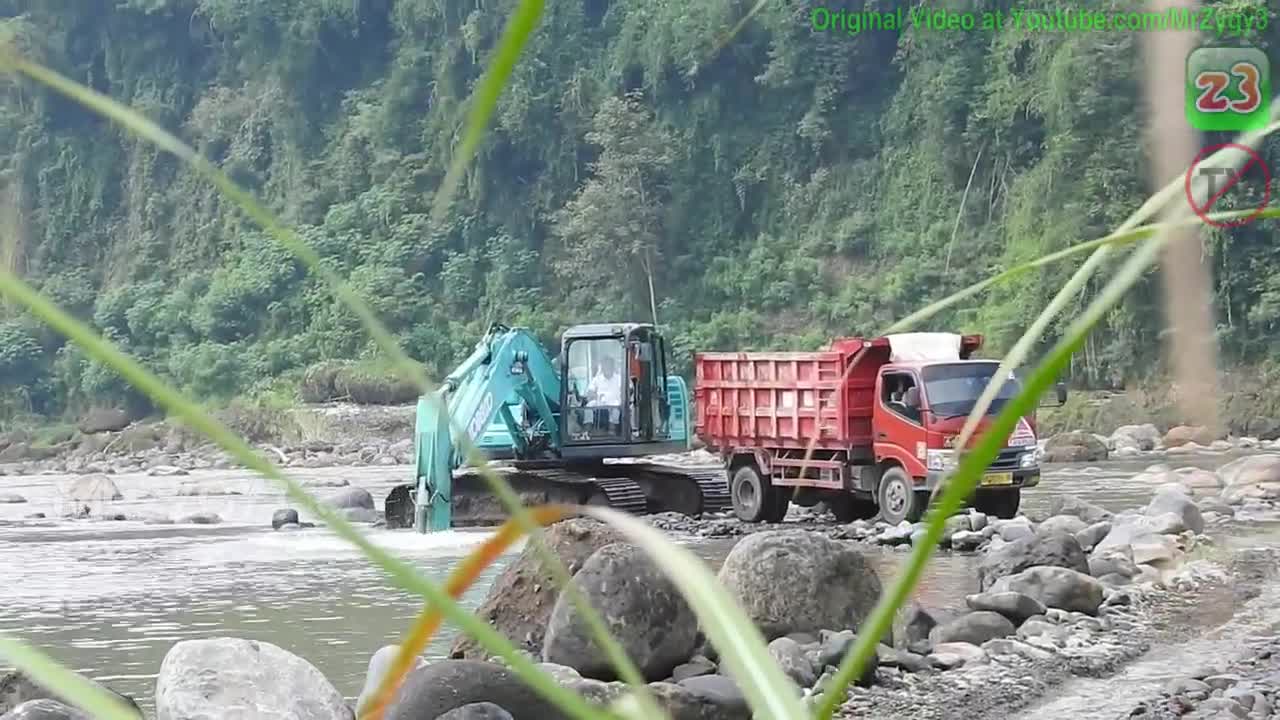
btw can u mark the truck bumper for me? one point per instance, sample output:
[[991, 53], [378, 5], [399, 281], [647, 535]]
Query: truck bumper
[[1022, 478]]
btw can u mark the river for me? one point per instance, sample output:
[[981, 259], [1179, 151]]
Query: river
[[110, 598]]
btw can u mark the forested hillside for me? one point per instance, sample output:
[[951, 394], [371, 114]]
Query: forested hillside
[[794, 185]]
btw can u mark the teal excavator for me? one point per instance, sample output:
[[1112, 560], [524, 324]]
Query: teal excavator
[[575, 429]]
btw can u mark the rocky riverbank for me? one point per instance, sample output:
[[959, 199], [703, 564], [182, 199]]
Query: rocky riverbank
[[1077, 592]]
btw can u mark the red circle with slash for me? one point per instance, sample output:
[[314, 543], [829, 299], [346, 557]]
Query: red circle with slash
[[1233, 178]]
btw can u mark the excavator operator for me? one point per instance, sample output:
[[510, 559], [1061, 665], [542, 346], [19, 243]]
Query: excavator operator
[[604, 393]]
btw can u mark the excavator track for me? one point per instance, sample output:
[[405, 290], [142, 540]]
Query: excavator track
[[620, 493], [636, 488]]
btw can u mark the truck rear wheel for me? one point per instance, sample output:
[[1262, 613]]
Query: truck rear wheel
[[898, 499], [780, 504], [753, 497], [1001, 503]]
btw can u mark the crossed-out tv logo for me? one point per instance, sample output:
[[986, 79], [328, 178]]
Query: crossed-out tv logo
[[1228, 88]]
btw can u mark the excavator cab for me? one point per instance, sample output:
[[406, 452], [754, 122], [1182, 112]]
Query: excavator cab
[[614, 391]]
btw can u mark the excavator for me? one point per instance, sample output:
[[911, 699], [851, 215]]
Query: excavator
[[579, 428]]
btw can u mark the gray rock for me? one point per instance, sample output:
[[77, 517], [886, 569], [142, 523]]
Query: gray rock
[[358, 515], [696, 666], [16, 689], [1083, 509], [952, 655], [1015, 606], [222, 677], [284, 516], [11, 499], [445, 685], [835, 645], [520, 601], [799, 581], [1092, 535], [720, 690], [1170, 499], [974, 628], [1040, 549], [201, 518], [352, 497], [379, 664], [1065, 524], [45, 710], [1056, 587], [966, 541], [791, 658], [1009, 646], [1074, 447], [1112, 563], [93, 488], [1014, 529], [641, 607], [913, 623], [477, 711], [1183, 686], [903, 659]]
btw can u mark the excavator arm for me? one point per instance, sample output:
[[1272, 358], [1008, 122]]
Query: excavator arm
[[508, 367]]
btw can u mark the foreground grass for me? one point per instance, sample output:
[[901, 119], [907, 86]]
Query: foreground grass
[[770, 693]]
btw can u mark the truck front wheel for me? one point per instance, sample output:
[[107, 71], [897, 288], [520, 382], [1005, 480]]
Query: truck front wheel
[[898, 499], [753, 497]]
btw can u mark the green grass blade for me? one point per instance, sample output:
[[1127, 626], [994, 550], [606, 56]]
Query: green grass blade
[[958, 488], [398, 571], [513, 41], [742, 647], [69, 686], [1129, 231], [485, 99], [1017, 355]]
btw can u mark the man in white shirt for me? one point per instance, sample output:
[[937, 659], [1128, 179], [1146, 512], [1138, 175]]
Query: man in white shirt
[[605, 391]]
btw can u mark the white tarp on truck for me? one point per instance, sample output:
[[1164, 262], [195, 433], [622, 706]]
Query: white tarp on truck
[[924, 347]]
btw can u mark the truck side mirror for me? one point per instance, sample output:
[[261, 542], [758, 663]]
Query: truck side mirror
[[1061, 389]]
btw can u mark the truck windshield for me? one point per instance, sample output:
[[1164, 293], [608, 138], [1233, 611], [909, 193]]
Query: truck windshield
[[953, 390]]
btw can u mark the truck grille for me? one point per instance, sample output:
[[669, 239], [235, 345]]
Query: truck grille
[[1007, 459]]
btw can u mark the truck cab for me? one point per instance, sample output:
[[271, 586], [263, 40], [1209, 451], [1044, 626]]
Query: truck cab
[[919, 413]]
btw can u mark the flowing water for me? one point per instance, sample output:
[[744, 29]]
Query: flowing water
[[110, 597]]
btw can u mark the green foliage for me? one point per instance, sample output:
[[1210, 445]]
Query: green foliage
[[789, 187]]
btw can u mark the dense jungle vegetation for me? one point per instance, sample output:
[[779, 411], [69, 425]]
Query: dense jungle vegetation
[[792, 186]]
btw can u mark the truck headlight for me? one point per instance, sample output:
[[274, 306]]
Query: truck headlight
[[1029, 459], [940, 459]]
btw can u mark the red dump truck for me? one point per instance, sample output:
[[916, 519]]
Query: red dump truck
[[870, 422]]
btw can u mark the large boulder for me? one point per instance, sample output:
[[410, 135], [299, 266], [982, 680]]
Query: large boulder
[[799, 581], [445, 685], [1083, 509], [1074, 447], [379, 665], [1015, 606], [1138, 538], [351, 498], [1137, 437], [1056, 587], [975, 628], [45, 710], [640, 606], [1171, 499], [16, 689], [93, 488], [103, 420], [1058, 549], [1248, 477], [252, 680], [520, 601], [1184, 434]]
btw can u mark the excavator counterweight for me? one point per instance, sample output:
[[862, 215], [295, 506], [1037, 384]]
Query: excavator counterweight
[[575, 431]]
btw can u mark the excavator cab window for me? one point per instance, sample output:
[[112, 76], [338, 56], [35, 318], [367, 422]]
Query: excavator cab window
[[596, 379]]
